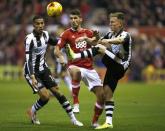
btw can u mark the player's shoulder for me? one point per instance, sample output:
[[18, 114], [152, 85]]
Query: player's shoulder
[[66, 32], [29, 37], [125, 33], [45, 32]]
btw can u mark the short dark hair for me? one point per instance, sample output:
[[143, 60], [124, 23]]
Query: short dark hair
[[119, 15], [38, 17], [75, 12]]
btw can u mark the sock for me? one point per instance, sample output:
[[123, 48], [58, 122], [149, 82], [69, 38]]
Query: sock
[[66, 106], [38, 105], [98, 109], [75, 91], [67, 81], [109, 107], [91, 52]]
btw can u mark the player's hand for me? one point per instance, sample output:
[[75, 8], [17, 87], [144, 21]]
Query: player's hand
[[103, 41], [34, 82], [96, 34], [64, 66]]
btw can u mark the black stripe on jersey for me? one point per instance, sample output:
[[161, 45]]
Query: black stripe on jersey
[[29, 62], [38, 41], [37, 63], [89, 54], [107, 35], [44, 35], [82, 55], [126, 41]]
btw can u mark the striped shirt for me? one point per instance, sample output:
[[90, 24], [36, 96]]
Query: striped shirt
[[121, 51], [35, 49]]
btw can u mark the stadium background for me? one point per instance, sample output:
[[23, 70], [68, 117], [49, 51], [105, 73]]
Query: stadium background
[[140, 99], [145, 21]]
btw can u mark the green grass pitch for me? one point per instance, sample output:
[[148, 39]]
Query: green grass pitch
[[139, 107]]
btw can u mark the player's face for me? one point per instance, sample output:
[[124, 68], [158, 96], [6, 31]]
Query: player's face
[[115, 24], [39, 25], [75, 21]]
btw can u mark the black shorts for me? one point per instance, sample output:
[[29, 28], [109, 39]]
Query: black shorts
[[44, 78], [114, 72]]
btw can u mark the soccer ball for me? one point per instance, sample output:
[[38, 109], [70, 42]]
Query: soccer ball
[[54, 9]]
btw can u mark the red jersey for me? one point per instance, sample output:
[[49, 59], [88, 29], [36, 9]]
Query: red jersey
[[68, 37]]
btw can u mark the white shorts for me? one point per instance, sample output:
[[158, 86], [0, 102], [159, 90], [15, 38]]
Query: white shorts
[[89, 77]]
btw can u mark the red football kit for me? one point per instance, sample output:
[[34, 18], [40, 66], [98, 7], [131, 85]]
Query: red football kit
[[68, 37]]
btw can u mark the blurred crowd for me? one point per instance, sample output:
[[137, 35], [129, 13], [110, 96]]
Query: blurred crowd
[[16, 15]]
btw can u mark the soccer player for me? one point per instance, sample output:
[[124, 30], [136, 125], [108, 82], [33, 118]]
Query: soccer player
[[37, 73], [116, 48], [81, 69]]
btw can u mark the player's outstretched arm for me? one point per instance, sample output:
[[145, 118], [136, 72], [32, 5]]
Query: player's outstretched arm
[[118, 40], [59, 54]]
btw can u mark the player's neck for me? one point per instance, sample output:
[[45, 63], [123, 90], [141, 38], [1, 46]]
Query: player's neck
[[118, 31], [38, 34], [77, 29]]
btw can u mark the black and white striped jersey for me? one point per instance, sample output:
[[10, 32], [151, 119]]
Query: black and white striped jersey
[[35, 49], [122, 51]]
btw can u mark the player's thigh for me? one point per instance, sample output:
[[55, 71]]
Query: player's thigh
[[91, 78], [47, 79], [75, 73]]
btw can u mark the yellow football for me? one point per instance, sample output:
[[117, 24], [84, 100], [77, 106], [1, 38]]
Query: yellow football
[[54, 9]]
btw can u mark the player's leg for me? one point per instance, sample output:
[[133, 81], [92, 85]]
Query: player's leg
[[109, 103], [76, 78], [40, 103], [66, 105], [99, 105], [50, 84], [44, 98], [92, 79], [114, 72], [91, 52]]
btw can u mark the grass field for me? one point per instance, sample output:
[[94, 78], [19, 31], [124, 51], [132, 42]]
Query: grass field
[[139, 107]]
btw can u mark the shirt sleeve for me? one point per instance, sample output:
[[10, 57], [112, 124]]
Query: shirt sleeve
[[28, 54], [52, 40], [89, 33]]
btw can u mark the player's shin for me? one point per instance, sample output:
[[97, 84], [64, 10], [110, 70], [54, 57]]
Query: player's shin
[[38, 105], [98, 109], [75, 93]]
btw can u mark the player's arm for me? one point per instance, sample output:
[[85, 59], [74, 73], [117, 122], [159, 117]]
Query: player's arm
[[118, 40], [57, 49], [28, 54], [59, 54]]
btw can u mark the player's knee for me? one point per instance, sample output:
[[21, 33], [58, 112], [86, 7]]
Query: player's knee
[[99, 94], [45, 96]]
